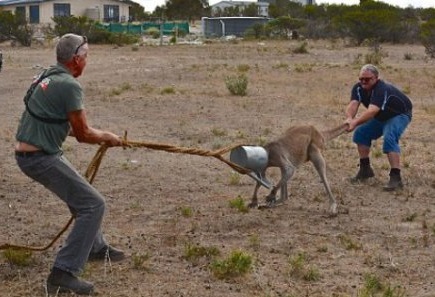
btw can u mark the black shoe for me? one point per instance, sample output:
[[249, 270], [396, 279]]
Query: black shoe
[[60, 281], [107, 253], [363, 174], [395, 183]]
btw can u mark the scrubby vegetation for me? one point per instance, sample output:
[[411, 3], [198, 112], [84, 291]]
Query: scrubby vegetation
[[368, 21]]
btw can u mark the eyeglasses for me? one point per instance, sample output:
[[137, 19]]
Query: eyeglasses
[[85, 40], [365, 79]]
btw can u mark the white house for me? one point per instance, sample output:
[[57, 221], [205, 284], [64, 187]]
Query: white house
[[262, 7], [42, 11], [303, 2]]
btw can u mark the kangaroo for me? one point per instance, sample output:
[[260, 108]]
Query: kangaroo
[[298, 145]]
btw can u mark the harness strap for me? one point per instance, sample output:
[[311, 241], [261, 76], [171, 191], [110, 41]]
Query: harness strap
[[29, 94]]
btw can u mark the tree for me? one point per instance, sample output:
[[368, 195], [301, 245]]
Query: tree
[[284, 26], [427, 14], [186, 9], [427, 36], [251, 10], [137, 12], [371, 20]]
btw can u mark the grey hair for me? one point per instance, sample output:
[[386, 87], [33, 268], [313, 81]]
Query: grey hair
[[371, 68], [67, 45]]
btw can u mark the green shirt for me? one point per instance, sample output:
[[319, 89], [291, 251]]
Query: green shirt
[[54, 97]]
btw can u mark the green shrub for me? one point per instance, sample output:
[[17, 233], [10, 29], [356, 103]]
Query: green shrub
[[300, 269], [301, 49], [193, 252], [18, 257], [239, 204], [186, 211], [15, 27], [153, 32], [237, 85], [140, 260], [237, 264], [122, 38], [167, 90], [374, 287], [96, 34], [297, 264]]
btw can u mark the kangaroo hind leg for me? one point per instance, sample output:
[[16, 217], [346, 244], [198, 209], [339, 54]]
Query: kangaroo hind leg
[[319, 163]]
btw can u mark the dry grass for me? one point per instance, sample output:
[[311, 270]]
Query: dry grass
[[158, 202]]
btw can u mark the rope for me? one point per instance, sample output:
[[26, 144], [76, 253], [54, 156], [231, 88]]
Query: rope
[[39, 249], [95, 163]]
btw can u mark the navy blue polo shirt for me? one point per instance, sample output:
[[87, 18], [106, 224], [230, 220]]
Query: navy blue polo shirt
[[387, 97]]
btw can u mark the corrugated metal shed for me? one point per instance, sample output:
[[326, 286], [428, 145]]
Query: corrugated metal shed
[[225, 26]]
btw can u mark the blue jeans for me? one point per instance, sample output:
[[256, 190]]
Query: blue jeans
[[87, 205], [392, 130]]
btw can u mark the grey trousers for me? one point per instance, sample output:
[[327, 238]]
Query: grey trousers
[[57, 174]]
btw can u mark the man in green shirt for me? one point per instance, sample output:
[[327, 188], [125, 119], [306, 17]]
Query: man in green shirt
[[55, 110]]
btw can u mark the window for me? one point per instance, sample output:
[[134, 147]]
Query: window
[[34, 14], [111, 13], [61, 9]]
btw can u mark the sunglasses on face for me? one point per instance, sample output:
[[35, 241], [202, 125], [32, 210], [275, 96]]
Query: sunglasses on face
[[85, 40], [366, 79]]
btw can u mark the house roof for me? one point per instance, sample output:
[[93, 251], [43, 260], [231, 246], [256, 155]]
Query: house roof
[[15, 2], [234, 3], [24, 2]]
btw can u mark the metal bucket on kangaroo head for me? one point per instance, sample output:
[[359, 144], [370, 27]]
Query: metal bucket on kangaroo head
[[253, 158]]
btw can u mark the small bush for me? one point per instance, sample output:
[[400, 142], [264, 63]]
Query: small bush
[[234, 178], [95, 32], [300, 269], [123, 38], [373, 286], [193, 252], [348, 243], [297, 264], [152, 32], [373, 58], [18, 257], [408, 56], [243, 67], [239, 204], [167, 90], [301, 49], [376, 54], [237, 264], [311, 274], [219, 132], [140, 260], [254, 242], [237, 85], [186, 212], [14, 27]]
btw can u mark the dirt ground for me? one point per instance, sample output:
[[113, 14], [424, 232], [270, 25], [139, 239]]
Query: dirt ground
[[161, 203]]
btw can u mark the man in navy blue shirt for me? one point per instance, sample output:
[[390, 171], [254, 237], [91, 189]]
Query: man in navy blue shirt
[[388, 113]]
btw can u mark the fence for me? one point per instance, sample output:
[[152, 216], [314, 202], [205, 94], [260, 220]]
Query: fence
[[168, 27]]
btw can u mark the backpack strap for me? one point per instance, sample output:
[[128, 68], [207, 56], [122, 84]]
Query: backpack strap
[[29, 94]]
